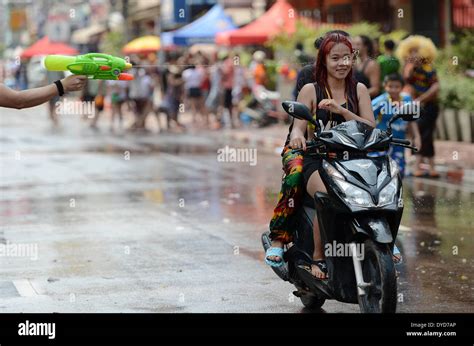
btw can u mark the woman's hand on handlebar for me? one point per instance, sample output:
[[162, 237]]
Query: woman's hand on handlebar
[[298, 142]]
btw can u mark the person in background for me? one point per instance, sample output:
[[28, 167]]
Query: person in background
[[21, 76], [376, 45], [118, 95], [99, 89], [174, 97], [203, 66], [140, 93], [213, 100], [227, 83], [366, 70], [418, 54], [393, 96], [302, 57], [9, 74], [381, 105], [259, 72], [388, 61], [240, 83], [193, 78]]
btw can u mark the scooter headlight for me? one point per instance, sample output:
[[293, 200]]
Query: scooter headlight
[[354, 195], [388, 193], [332, 171]]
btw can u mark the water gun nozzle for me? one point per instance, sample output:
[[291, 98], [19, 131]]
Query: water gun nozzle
[[125, 76]]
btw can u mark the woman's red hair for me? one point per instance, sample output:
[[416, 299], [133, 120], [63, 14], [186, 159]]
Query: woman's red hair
[[321, 72]]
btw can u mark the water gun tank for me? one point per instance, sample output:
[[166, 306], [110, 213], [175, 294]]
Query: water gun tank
[[58, 62]]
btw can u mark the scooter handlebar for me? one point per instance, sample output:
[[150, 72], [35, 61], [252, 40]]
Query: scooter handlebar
[[401, 141]]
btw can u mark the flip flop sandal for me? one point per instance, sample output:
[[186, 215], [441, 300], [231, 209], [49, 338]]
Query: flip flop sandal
[[274, 251], [323, 267]]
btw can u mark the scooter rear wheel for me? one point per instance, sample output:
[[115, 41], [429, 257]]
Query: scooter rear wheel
[[379, 270]]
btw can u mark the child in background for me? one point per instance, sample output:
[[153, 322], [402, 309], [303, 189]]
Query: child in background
[[388, 62], [393, 85]]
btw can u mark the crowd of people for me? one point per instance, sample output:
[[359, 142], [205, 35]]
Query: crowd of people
[[209, 87]]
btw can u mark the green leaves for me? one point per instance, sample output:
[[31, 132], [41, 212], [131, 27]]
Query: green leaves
[[457, 90]]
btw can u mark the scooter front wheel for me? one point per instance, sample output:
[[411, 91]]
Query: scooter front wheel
[[379, 271], [311, 301]]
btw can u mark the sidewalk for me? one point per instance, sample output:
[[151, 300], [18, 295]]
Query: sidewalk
[[454, 160]]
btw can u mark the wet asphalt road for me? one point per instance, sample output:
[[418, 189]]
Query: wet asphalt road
[[154, 223]]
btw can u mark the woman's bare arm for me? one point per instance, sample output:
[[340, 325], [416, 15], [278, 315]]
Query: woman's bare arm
[[366, 114], [429, 94], [29, 98], [305, 96]]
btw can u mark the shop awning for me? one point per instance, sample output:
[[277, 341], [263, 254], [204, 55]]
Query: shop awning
[[204, 29], [45, 47], [281, 17]]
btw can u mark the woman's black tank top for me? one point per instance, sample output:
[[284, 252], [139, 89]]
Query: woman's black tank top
[[324, 117]]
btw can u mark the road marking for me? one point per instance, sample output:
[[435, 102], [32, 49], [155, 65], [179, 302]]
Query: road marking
[[25, 288]]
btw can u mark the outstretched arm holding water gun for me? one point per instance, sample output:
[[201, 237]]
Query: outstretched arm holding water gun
[[83, 67], [33, 97]]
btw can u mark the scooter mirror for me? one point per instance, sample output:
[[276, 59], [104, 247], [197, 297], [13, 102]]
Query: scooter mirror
[[298, 110]]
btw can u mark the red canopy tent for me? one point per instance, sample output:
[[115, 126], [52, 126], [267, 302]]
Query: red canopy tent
[[281, 17], [45, 47]]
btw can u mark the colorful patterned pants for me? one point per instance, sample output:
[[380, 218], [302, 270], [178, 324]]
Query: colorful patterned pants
[[289, 198]]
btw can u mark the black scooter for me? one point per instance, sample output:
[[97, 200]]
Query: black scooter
[[358, 217]]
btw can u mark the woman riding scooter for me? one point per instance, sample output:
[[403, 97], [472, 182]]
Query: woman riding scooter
[[333, 99]]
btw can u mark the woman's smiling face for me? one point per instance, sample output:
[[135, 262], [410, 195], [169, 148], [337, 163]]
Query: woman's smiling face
[[339, 61]]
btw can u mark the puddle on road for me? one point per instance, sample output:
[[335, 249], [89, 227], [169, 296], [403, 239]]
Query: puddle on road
[[437, 245], [148, 144]]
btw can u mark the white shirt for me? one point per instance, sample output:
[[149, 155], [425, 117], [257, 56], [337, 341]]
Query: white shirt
[[192, 78]]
